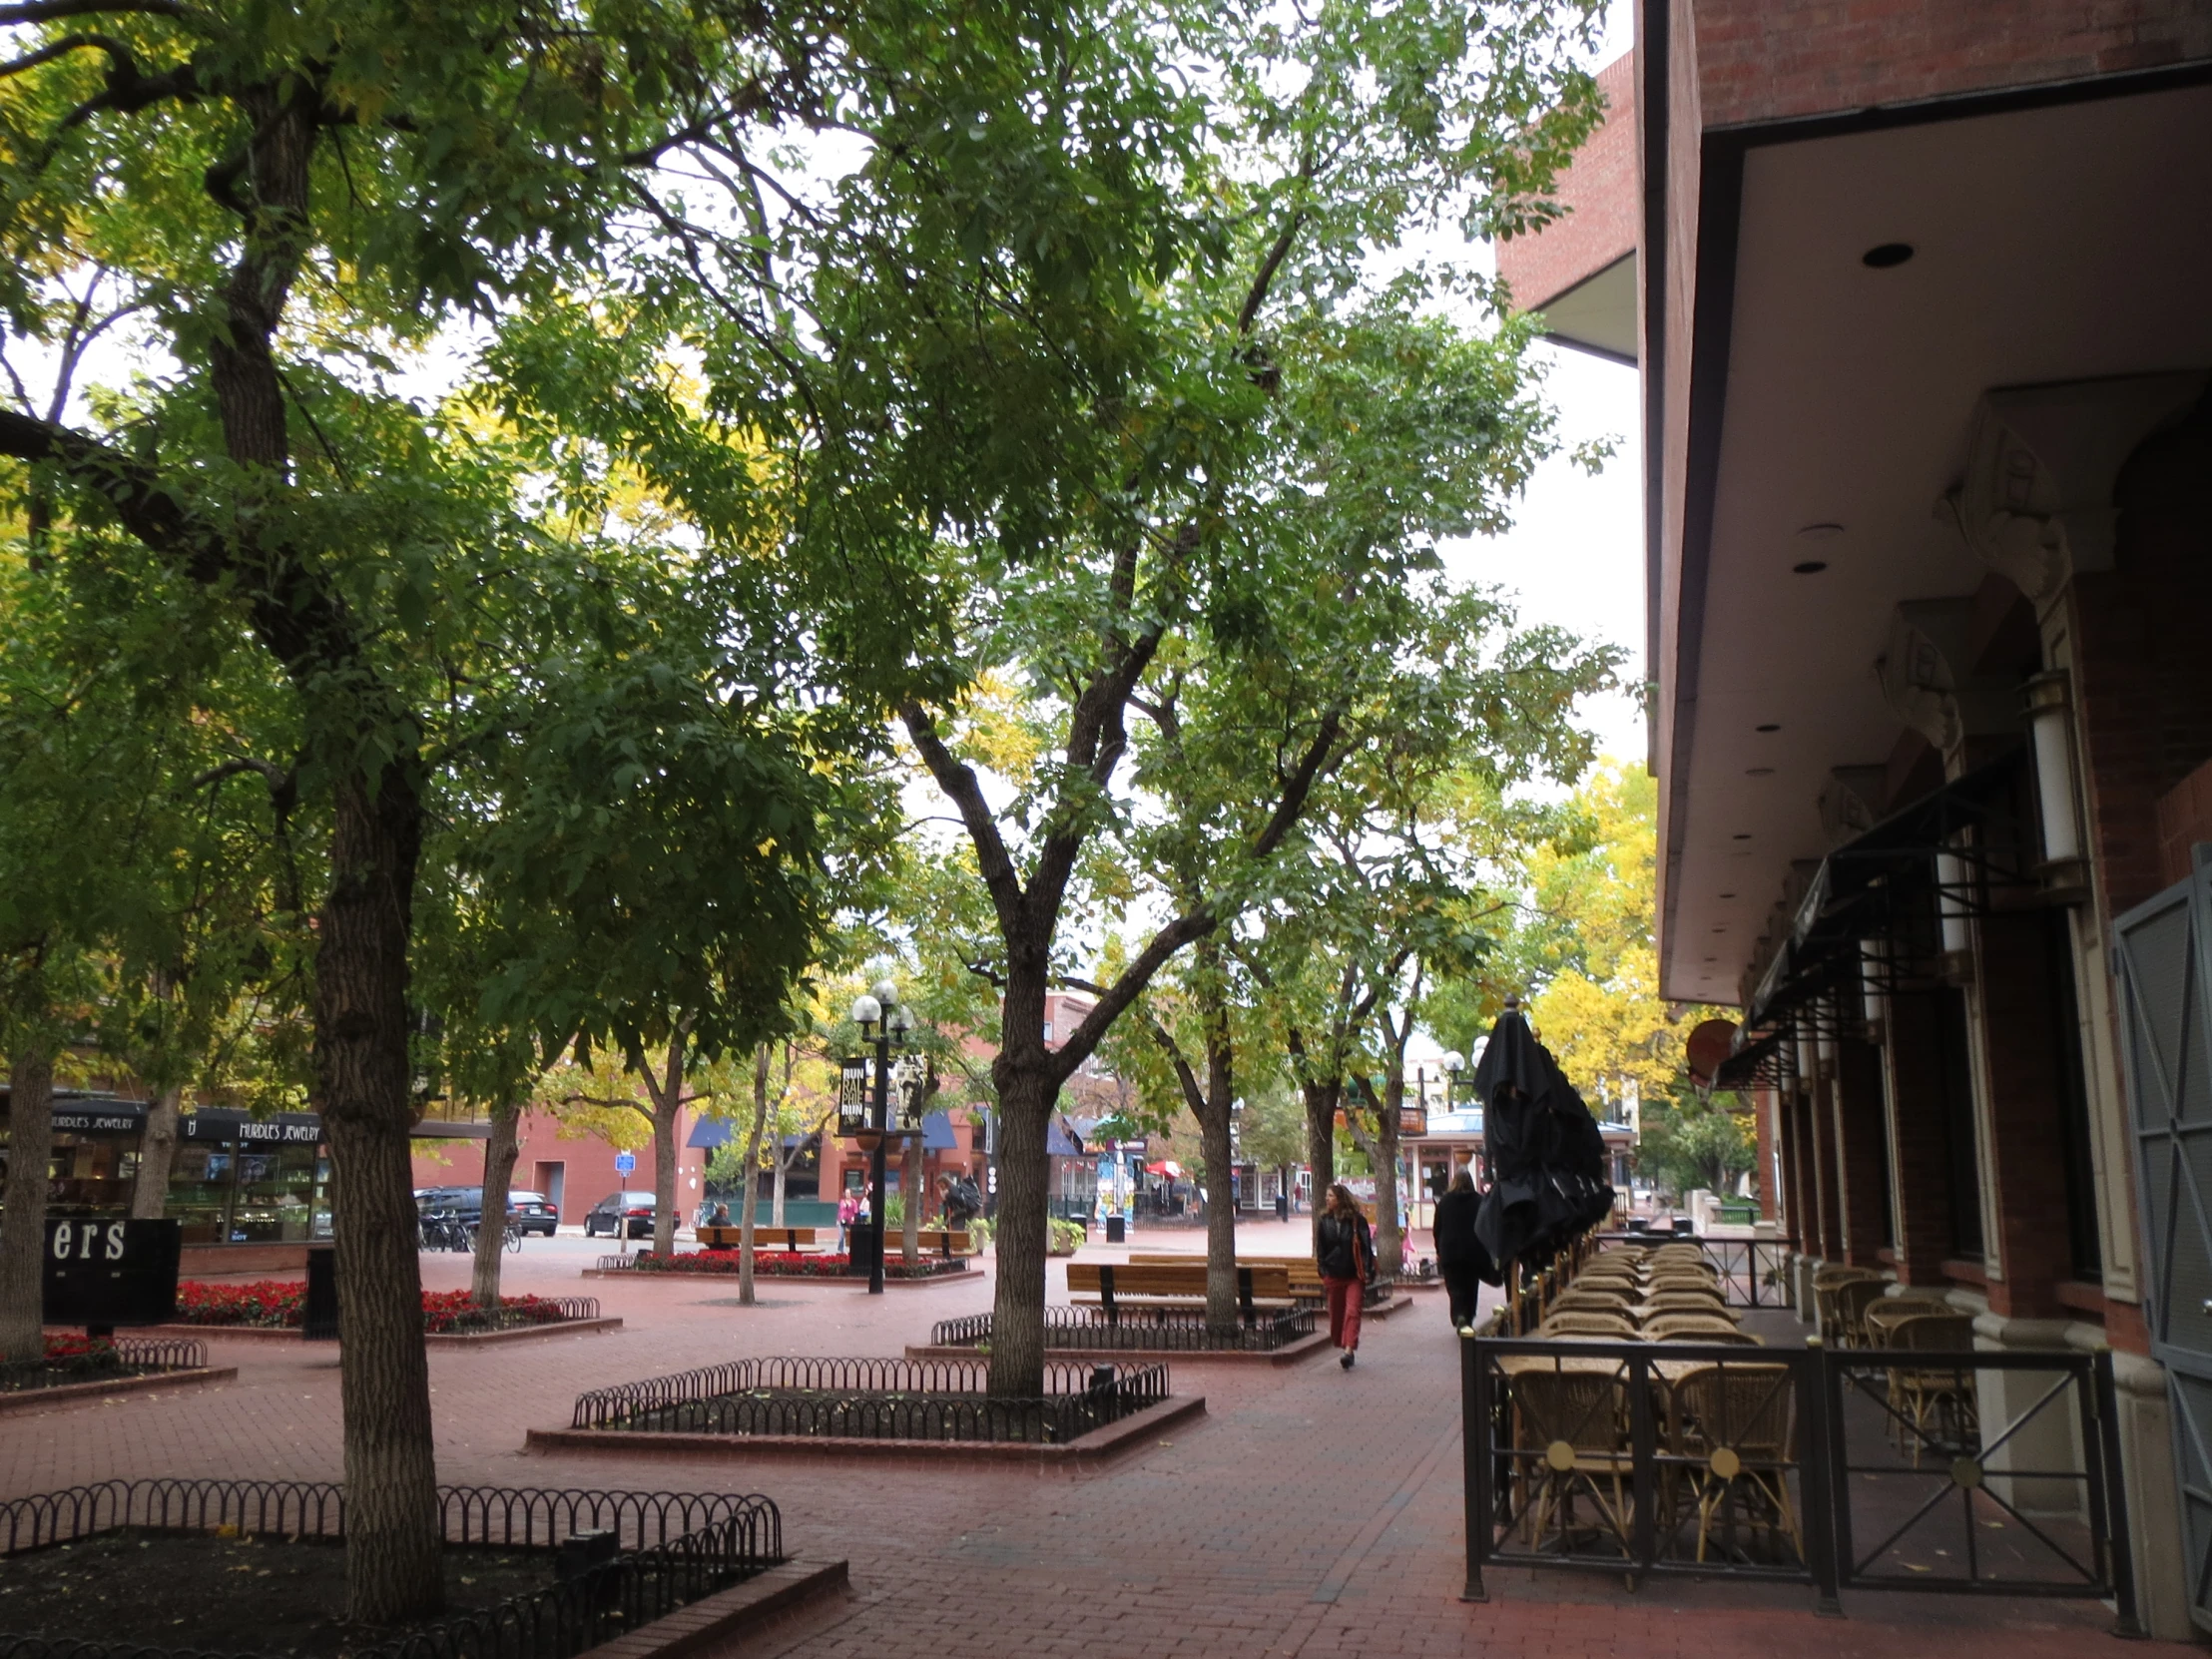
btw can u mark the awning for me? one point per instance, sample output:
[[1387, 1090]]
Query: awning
[[1058, 1143], [1856, 892], [1167, 1167], [1742, 1068], [937, 1133], [711, 1133]]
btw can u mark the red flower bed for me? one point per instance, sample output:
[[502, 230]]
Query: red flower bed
[[281, 1304], [787, 1263]]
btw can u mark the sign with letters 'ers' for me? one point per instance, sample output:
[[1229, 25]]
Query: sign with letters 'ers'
[[103, 1269]]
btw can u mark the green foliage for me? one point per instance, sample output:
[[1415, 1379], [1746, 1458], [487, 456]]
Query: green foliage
[[1067, 1236], [1688, 1142]]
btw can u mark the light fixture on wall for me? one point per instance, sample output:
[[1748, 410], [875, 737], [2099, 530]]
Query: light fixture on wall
[[1873, 1001], [2064, 872], [1953, 899]]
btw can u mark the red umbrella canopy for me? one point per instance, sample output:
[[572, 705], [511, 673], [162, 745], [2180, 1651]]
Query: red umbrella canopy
[[1167, 1167]]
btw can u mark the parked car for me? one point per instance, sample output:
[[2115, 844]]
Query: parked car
[[530, 1212], [611, 1213]]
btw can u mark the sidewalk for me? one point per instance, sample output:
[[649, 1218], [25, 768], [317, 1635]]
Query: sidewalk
[[1310, 1512]]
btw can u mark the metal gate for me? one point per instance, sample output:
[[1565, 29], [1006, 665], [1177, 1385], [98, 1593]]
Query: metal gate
[[2159, 957]]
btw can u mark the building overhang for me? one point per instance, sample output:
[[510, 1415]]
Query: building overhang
[[2059, 234]]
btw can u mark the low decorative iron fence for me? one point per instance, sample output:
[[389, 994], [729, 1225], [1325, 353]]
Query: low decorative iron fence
[[543, 1309], [1971, 1473], [1143, 1329], [671, 1549], [873, 1399], [127, 1356]]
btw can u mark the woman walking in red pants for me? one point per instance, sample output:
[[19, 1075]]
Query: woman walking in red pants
[[1345, 1257]]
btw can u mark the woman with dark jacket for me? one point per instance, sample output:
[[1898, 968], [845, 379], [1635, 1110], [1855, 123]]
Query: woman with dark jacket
[[1460, 1254], [1344, 1253]]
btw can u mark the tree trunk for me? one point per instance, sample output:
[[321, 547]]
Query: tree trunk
[[776, 1206], [667, 1106], [1321, 1100], [500, 1152], [1025, 1095], [23, 1221], [1389, 1230], [749, 1201], [363, 1072], [156, 1157], [1215, 1147], [910, 1180]]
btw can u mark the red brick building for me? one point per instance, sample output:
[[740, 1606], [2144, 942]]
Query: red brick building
[[1918, 297]]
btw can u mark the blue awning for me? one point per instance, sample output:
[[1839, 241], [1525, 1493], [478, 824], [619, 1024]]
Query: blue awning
[[937, 1135], [1058, 1143], [711, 1133]]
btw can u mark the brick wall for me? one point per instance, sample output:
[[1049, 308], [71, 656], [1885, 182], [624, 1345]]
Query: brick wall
[[2027, 1151], [1599, 191], [1922, 1155], [2142, 674], [1767, 60]]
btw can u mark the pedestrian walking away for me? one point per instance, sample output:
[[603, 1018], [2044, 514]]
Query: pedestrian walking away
[[1460, 1254], [1345, 1257]]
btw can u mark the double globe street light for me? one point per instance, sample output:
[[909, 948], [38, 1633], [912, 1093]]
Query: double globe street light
[[883, 1021]]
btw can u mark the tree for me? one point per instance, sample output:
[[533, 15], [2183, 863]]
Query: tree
[[284, 205], [1690, 1142]]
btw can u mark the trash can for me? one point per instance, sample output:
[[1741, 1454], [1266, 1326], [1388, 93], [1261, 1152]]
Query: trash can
[[1281, 1206], [1117, 1229]]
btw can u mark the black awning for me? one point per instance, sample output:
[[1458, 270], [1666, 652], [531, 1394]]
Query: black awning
[[1744, 1067], [1853, 894]]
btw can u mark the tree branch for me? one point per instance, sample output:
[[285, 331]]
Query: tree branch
[[1115, 998], [960, 783], [53, 11]]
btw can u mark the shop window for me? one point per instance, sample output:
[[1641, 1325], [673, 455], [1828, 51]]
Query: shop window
[[2085, 1248], [1964, 1162]]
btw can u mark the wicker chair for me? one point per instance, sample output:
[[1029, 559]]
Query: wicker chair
[[1703, 1330], [1734, 1426], [1852, 1297], [1884, 1314], [1573, 1322], [1661, 1326], [1945, 1399], [1578, 1422], [1679, 1301]]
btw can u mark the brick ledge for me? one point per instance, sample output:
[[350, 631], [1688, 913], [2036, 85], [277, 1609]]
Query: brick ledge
[[31, 1398], [1289, 1355], [719, 1616], [1097, 1446], [433, 1338]]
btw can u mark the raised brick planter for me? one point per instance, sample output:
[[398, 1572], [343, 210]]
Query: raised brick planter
[[728, 1614], [1100, 1445], [31, 1399], [432, 1339], [847, 1280]]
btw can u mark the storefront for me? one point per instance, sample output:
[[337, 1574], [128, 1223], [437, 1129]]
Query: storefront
[[234, 1180]]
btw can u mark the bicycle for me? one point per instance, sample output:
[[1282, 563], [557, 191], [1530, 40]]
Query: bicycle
[[443, 1230], [513, 1238]]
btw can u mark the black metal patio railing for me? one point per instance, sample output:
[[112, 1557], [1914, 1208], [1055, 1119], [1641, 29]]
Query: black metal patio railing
[[873, 1399], [673, 1549], [1144, 1330], [1993, 1474]]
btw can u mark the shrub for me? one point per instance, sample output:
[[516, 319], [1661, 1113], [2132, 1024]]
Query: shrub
[[281, 1304], [1067, 1237]]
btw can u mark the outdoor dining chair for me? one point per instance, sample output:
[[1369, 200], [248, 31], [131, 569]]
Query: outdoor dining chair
[[1661, 1326], [1734, 1429], [1853, 1298], [1575, 1424], [1577, 1324], [1936, 1407]]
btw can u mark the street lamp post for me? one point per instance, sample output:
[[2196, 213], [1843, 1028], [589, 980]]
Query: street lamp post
[[882, 1022]]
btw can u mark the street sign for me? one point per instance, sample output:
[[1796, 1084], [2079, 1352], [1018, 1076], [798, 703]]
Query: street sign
[[624, 1162]]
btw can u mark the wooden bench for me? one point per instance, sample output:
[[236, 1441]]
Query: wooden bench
[[944, 1242], [1115, 1285], [763, 1238], [1305, 1276]]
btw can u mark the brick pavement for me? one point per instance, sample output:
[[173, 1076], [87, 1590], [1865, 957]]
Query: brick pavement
[[1310, 1512]]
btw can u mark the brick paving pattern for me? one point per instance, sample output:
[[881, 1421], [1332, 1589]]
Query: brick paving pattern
[[1310, 1512]]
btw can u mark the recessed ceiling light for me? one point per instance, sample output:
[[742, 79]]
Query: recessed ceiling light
[[1741, 835], [1886, 255], [1728, 896], [1712, 958], [1809, 567], [1721, 929], [1770, 725], [1821, 529], [1759, 772]]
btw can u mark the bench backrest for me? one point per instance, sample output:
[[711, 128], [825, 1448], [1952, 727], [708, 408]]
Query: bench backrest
[[730, 1237], [1178, 1279]]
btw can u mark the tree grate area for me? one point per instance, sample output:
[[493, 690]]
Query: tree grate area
[[873, 1399], [258, 1568]]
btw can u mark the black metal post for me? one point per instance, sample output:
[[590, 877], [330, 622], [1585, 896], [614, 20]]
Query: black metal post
[[1474, 1438], [2108, 1496], [876, 1159]]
